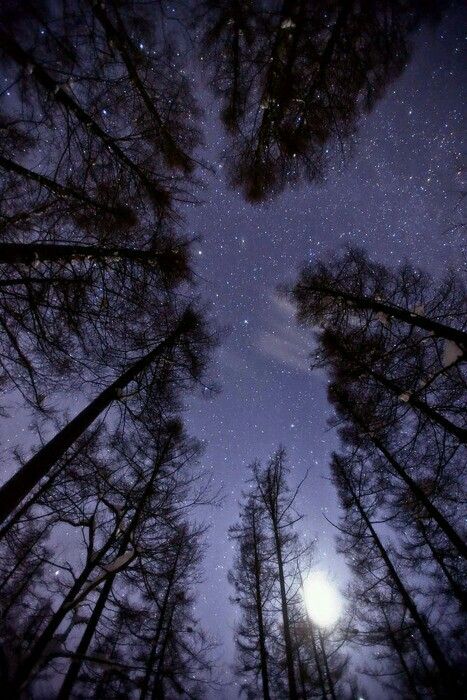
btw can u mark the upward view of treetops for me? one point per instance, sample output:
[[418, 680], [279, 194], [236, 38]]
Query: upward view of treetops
[[121, 121]]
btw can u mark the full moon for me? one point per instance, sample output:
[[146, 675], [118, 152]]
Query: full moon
[[321, 599]]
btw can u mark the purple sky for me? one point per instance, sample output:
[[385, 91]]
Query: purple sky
[[396, 195]]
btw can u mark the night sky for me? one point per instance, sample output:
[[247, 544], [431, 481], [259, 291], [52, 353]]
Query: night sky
[[397, 195]]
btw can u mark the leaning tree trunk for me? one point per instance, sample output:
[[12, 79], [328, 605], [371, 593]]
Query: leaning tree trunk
[[438, 329], [29, 475], [445, 669], [75, 666]]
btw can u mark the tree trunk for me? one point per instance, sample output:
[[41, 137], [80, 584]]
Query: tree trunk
[[446, 672], [29, 475], [259, 615], [293, 695], [413, 319]]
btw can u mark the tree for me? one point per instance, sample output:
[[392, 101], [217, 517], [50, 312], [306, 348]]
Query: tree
[[294, 78], [253, 578], [393, 344]]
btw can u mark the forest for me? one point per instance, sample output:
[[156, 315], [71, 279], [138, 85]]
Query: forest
[[109, 337]]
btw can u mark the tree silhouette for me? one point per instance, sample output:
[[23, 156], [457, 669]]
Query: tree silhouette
[[294, 78]]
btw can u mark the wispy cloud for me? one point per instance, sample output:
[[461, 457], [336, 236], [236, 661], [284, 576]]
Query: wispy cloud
[[282, 340]]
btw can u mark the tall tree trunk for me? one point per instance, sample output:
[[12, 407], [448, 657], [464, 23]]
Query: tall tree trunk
[[259, 615], [29, 253], [326, 666], [29, 475], [293, 695], [446, 672], [439, 330]]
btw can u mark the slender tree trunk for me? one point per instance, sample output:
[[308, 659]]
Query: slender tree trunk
[[75, 665], [29, 475], [293, 695], [259, 615], [445, 669], [439, 330], [326, 666], [29, 253], [158, 195], [453, 536]]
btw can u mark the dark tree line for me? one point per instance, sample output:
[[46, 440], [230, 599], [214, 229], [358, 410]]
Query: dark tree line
[[394, 343], [100, 550]]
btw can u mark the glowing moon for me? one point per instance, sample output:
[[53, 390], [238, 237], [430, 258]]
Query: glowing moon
[[321, 599]]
